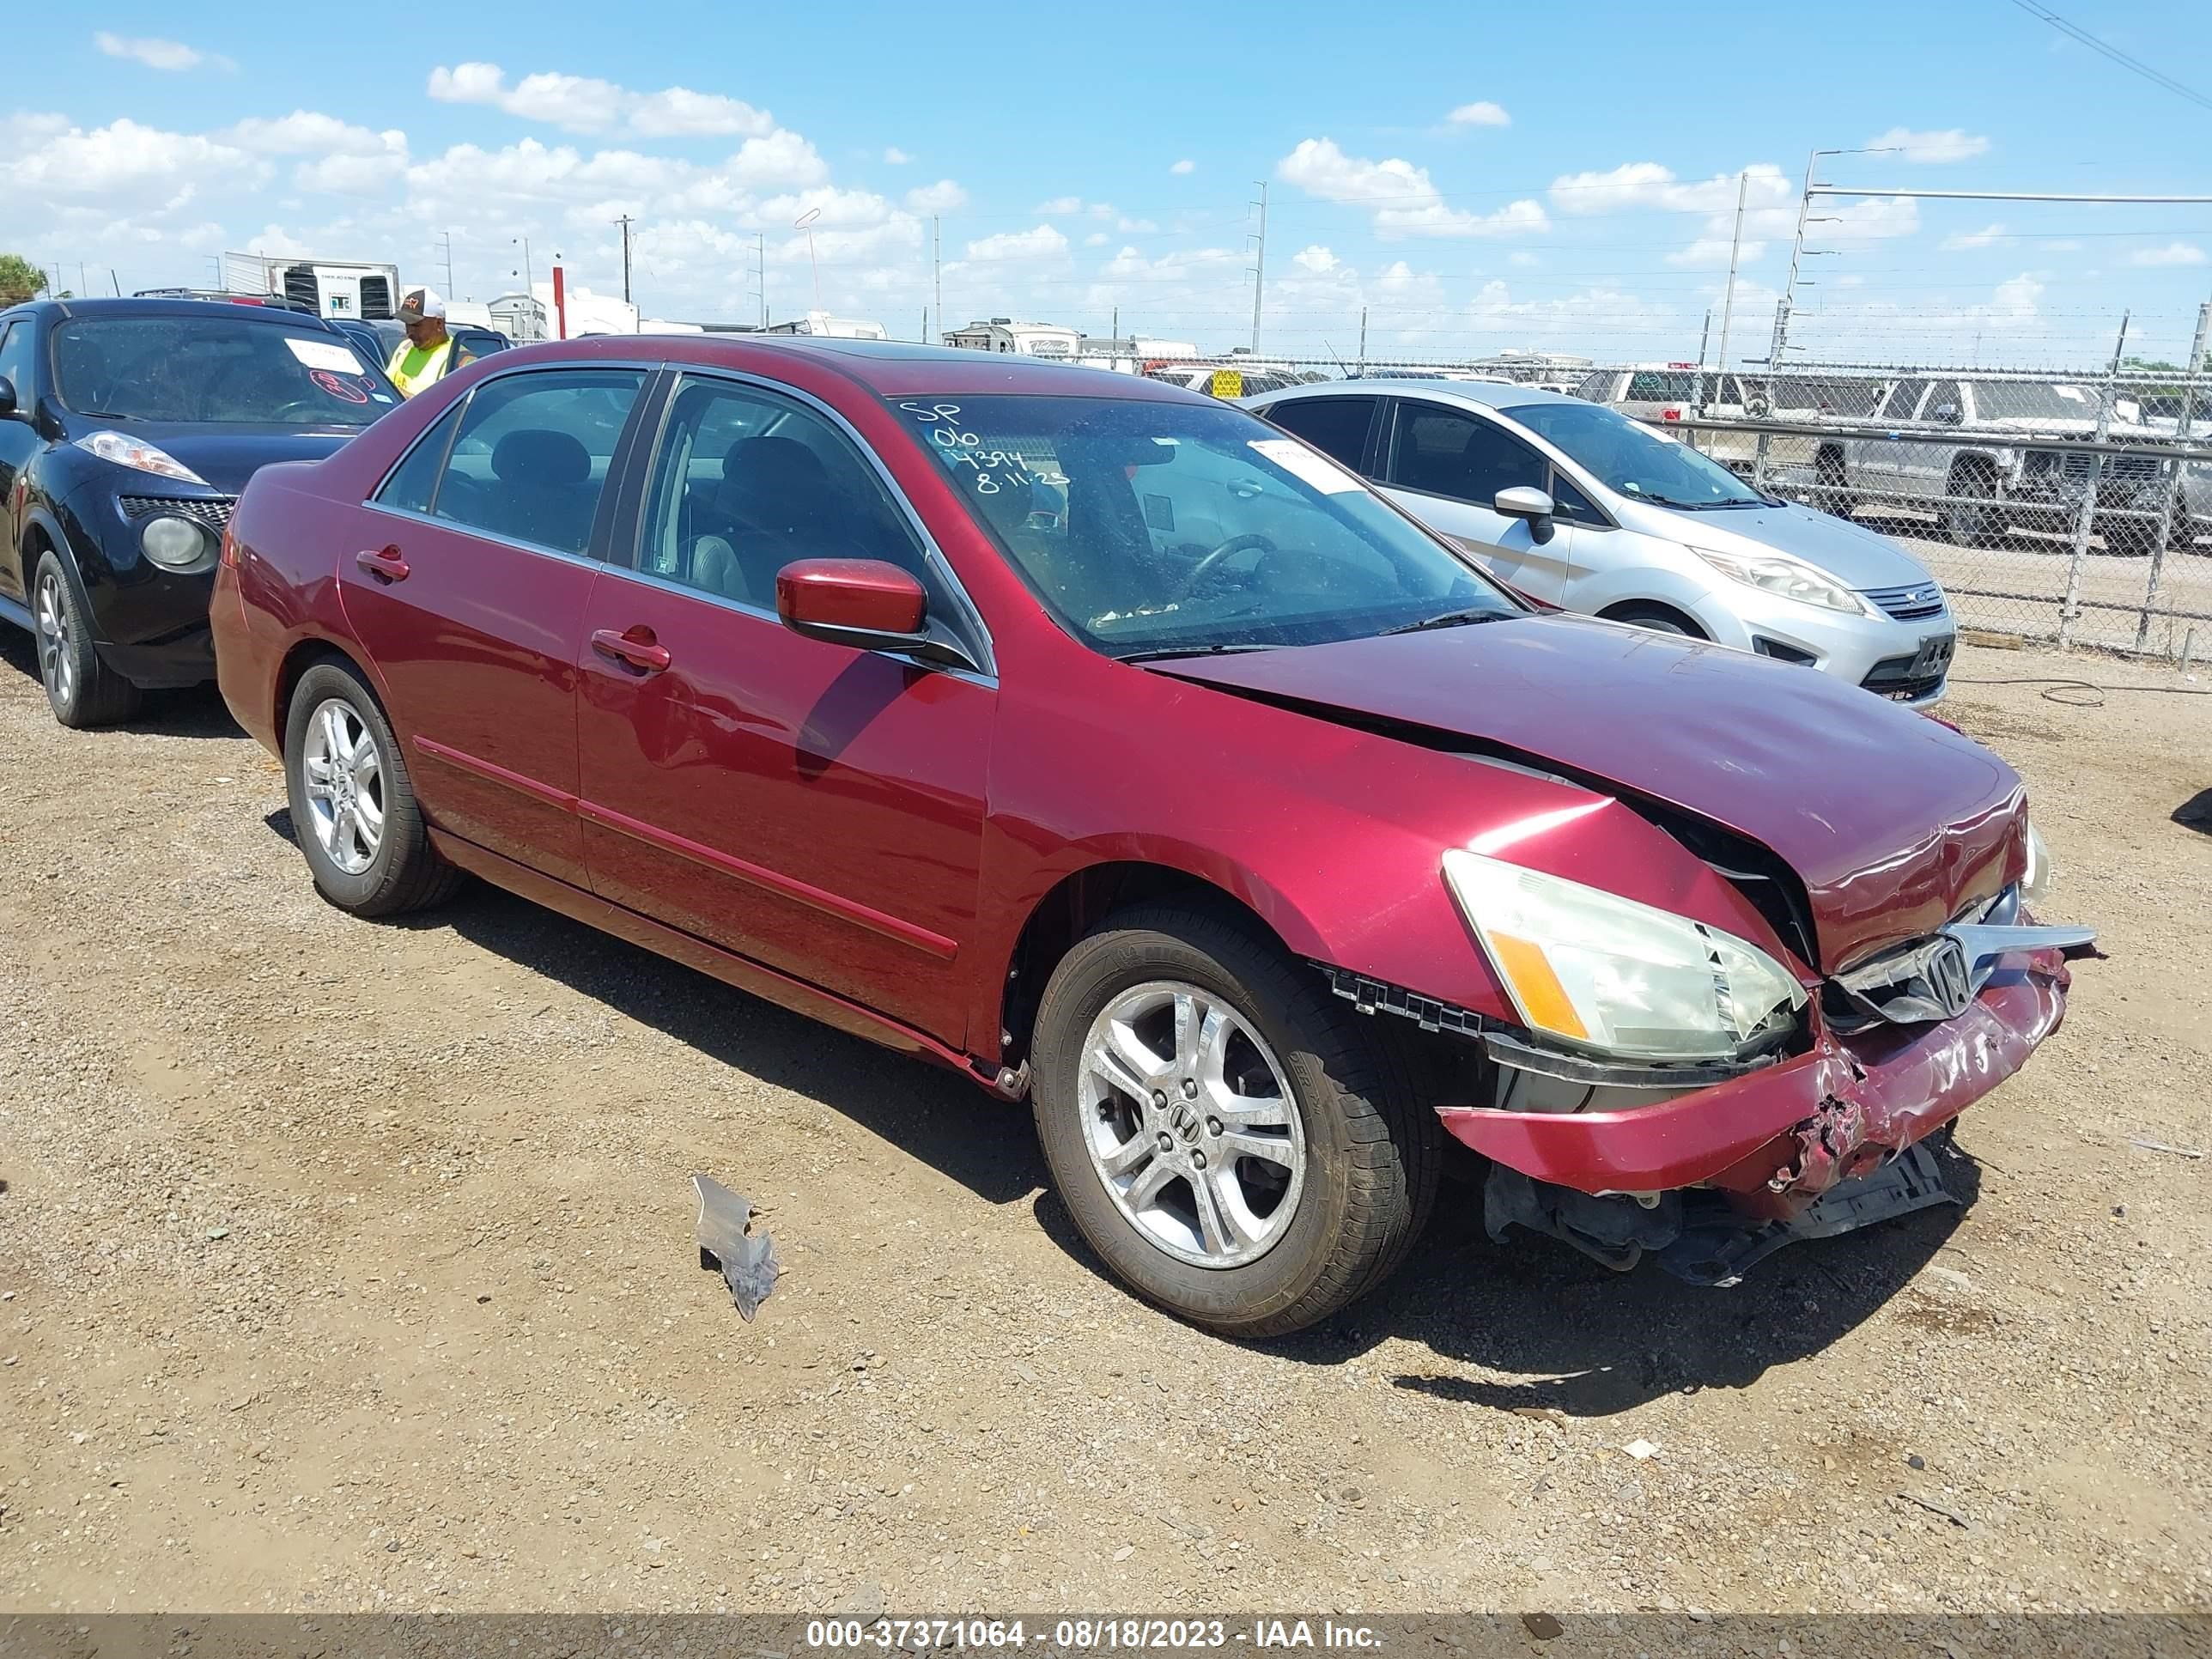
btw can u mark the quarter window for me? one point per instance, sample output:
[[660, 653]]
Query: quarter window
[[414, 482], [1445, 452], [1903, 397], [16, 362], [533, 452], [1335, 426], [746, 481]]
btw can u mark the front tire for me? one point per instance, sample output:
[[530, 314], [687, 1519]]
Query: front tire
[[1971, 517], [81, 689], [353, 804], [1232, 1141]]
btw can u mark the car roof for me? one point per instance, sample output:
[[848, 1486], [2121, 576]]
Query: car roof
[[890, 368], [137, 307], [1481, 394]]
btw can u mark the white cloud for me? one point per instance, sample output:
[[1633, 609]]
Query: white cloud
[[306, 132], [1951, 145], [943, 196], [1042, 243], [1648, 184], [780, 158], [158, 54], [1316, 259], [1063, 205], [896, 157], [1482, 114], [1959, 240], [1096, 239], [1184, 166], [120, 158], [2173, 253], [579, 103], [1402, 198]]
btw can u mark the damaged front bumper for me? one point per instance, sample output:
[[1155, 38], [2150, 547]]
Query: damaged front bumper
[[1767, 1149]]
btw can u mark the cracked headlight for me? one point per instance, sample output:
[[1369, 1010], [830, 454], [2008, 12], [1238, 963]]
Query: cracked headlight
[[2035, 879], [1793, 579], [1605, 973]]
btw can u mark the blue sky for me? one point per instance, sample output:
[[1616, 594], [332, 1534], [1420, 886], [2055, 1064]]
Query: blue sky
[[1093, 159]]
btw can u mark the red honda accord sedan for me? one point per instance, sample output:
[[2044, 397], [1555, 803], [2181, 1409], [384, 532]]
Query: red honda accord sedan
[[1101, 742]]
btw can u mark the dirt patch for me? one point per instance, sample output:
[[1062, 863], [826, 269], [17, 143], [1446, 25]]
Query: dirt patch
[[351, 1267]]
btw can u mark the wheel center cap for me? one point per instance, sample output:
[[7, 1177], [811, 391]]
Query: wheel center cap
[[1184, 1123]]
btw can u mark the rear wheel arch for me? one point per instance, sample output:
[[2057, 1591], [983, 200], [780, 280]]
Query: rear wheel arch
[[303, 655]]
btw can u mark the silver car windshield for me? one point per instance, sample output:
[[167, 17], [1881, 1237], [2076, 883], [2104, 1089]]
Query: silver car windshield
[[1632, 459], [1152, 528]]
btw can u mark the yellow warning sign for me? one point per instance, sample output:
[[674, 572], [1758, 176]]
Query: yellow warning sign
[[1228, 383]]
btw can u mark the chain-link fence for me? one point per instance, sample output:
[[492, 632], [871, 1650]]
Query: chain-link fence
[[2071, 507]]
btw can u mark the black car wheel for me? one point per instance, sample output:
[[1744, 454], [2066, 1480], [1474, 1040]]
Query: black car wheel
[[81, 689], [353, 804], [1231, 1139]]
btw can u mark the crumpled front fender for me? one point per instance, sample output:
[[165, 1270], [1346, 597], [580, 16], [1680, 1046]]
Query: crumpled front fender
[[1778, 1137]]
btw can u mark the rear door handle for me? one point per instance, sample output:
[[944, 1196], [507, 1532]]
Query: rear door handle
[[384, 563], [637, 647]]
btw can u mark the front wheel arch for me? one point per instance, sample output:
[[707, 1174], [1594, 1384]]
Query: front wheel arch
[[1657, 614]]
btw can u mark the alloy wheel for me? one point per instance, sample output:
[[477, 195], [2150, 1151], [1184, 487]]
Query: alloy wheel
[[1191, 1125], [343, 777], [56, 662]]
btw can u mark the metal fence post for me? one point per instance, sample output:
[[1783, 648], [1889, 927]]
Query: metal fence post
[[2069, 610], [1773, 381], [2190, 387]]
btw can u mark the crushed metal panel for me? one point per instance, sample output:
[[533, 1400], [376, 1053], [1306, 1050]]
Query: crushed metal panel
[[728, 1240]]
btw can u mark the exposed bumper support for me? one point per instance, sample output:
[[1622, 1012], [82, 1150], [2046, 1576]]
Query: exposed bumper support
[[1777, 1138]]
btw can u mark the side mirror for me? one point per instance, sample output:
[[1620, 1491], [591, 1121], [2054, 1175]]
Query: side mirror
[[1758, 408], [6, 398], [1525, 502], [1946, 414], [866, 604]]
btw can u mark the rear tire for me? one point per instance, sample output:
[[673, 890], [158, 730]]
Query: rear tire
[[2130, 539], [353, 811], [81, 689], [1352, 1156]]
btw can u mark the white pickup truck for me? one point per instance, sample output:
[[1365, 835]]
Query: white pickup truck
[[1966, 449]]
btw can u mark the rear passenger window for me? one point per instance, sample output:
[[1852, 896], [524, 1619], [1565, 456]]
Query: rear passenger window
[[533, 452], [1443, 452], [1654, 386], [414, 482], [1335, 426], [1902, 399]]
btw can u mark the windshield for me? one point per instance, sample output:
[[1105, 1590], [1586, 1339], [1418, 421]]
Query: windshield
[[1157, 527], [2012, 400], [1632, 459], [217, 369]]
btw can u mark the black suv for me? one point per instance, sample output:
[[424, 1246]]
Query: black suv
[[127, 429]]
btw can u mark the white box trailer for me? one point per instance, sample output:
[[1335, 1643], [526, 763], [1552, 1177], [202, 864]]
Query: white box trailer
[[348, 288]]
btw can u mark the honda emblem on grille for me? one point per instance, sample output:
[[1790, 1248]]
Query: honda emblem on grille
[[1950, 981]]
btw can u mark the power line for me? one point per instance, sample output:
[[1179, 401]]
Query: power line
[[2074, 32]]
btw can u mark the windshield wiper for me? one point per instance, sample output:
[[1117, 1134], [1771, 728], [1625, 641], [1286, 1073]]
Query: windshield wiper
[[1449, 619], [1166, 652]]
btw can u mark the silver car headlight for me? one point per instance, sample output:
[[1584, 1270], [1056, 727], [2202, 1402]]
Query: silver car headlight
[[1793, 579], [1600, 972], [2035, 880]]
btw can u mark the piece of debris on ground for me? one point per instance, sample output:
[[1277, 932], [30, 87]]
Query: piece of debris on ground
[[728, 1240]]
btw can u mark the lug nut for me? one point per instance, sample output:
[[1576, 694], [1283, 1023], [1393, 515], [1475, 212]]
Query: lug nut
[[1159, 1100], [1190, 1088], [1167, 1141], [1214, 1125], [1198, 1160]]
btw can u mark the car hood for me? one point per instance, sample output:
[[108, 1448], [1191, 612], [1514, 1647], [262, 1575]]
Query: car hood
[[227, 456], [1893, 822], [1852, 553]]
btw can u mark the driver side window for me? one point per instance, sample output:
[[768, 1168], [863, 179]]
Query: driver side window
[[746, 481], [1446, 451]]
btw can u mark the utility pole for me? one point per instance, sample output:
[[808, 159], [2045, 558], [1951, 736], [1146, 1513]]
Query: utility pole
[[1728, 302], [1260, 266], [760, 252], [625, 222], [1363, 343], [2193, 391], [937, 265], [449, 264]]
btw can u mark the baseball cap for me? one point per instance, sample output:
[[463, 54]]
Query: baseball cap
[[421, 302]]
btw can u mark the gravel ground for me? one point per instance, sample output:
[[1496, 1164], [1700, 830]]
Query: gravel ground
[[348, 1266]]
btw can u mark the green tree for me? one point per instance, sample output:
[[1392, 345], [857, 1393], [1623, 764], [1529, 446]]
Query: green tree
[[20, 280]]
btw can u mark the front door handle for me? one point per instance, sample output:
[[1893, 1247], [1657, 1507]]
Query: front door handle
[[637, 647], [384, 563]]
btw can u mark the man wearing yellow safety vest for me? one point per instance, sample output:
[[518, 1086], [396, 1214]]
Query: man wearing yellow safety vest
[[430, 353]]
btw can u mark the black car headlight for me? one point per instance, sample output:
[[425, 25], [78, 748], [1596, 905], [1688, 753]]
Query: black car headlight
[[175, 544]]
